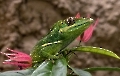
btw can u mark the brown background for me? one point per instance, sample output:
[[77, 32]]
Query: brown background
[[24, 22]]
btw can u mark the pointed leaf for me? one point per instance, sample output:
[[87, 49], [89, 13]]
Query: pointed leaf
[[102, 69], [26, 72], [95, 50], [48, 68]]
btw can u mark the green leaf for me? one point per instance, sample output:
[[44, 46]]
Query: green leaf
[[80, 72], [95, 50], [44, 69], [60, 68], [102, 69], [26, 72], [48, 68]]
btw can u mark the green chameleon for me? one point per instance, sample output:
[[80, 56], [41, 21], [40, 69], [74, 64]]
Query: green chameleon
[[60, 36]]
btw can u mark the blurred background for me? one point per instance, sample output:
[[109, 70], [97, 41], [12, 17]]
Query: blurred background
[[24, 22]]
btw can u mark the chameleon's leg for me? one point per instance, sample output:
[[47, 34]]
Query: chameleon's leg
[[49, 55], [67, 53]]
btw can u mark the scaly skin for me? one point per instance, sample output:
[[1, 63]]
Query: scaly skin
[[60, 36]]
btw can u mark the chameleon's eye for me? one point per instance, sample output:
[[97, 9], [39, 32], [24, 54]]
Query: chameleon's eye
[[70, 20]]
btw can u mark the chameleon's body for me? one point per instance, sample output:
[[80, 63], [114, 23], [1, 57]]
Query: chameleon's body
[[60, 36]]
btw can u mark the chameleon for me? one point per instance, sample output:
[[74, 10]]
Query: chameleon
[[62, 33]]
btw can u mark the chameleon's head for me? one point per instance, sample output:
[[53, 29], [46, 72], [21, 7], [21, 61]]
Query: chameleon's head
[[72, 27]]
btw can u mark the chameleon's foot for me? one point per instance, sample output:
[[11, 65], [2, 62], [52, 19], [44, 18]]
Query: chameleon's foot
[[67, 53]]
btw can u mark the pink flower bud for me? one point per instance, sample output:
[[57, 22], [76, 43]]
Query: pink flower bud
[[19, 59]]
